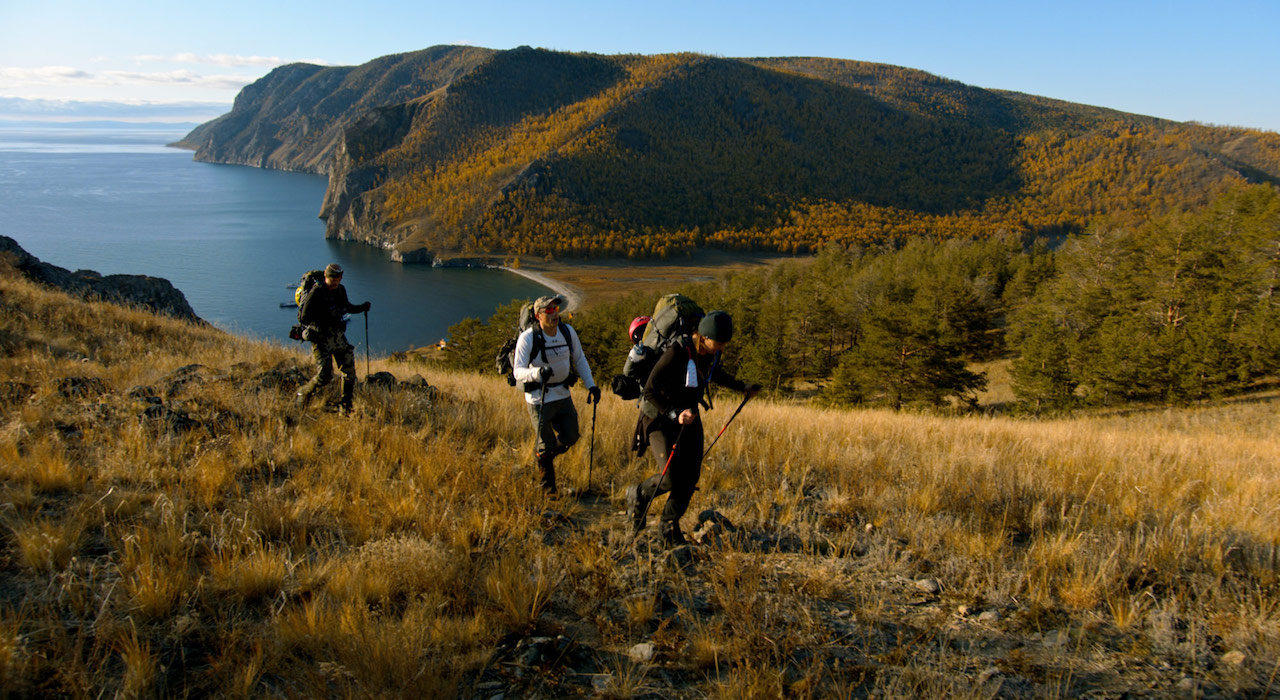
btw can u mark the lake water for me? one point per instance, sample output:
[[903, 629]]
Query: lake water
[[234, 239]]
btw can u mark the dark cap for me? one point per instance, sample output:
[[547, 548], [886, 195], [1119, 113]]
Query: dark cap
[[543, 302], [717, 326], [333, 270]]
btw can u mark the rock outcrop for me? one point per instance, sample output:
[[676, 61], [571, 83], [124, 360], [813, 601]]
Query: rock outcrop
[[152, 293]]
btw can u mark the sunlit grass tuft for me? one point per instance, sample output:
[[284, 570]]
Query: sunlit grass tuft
[[48, 545]]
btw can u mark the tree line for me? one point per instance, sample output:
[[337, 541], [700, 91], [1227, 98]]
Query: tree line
[[1180, 308]]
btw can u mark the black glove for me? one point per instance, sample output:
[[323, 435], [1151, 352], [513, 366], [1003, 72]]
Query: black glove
[[593, 395], [544, 373], [364, 308]]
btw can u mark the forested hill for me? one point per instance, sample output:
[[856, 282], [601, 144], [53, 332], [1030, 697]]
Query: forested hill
[[460, 150]]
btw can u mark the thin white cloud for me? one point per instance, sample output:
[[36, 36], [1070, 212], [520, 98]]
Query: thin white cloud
[[42, 109], [44, 74], [226, 60], [183, 78], [67, 76]]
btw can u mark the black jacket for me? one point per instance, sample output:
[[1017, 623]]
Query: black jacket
[[324, 308], [666, 394]]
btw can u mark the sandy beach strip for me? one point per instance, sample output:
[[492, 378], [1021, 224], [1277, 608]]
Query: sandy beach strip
[[572, 295]]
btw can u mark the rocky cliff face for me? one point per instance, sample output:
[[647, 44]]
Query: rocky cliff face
[[294, 117], [351, 203], [153, 293]]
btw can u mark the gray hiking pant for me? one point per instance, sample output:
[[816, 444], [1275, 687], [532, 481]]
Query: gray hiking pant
[[557, 427]]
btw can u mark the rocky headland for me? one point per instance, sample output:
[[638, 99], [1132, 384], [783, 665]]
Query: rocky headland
[[152, 293]]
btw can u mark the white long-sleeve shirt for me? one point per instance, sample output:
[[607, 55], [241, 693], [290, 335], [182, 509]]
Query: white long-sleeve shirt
[[526, 364]]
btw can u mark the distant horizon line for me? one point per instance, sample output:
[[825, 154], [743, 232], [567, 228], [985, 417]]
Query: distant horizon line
[[82, 123]]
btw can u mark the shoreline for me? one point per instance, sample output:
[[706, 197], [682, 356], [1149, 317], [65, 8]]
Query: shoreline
[[573, 297]]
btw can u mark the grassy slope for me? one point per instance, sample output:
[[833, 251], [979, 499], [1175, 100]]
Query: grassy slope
[[253, 550]]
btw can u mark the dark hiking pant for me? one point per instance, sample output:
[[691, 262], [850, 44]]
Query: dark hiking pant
[[682, 476], [326, 351]]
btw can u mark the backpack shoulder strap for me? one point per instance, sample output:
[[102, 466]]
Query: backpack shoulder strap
[[539, 345], [569, 334]]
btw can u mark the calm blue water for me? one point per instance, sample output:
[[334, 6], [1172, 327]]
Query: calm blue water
[[234, 239]]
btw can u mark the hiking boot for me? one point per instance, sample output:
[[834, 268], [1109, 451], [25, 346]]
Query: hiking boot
[[348, 393], [671, 534], [546, 462], [637, 508]]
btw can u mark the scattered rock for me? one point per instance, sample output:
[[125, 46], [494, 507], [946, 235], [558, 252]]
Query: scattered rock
[[555, 518], [988, 674], [143, 393], [171, 419], [1188, 685], [1055, 638], [964, 611], [187, 375], [286, 376], [1234, 658], [534, 650], [81, 387], [708, 534], [714, 516], [642, 653], [417, 381], [382, 379], [929, 585], [13, 393], [989, 617]]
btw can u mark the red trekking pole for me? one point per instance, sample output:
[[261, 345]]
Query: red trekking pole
[[645, 513], [745, 399]]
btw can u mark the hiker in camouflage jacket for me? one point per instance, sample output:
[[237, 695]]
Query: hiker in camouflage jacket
[[321, 315]]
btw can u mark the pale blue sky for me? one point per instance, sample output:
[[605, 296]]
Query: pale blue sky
[[1215, 62]]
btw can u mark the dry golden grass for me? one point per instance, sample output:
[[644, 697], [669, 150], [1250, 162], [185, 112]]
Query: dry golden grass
[[406, 551]]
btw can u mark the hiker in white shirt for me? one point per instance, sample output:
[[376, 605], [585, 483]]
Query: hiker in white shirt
[[548, 360]]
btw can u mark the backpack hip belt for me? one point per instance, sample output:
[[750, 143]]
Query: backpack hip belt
[[572, 379]]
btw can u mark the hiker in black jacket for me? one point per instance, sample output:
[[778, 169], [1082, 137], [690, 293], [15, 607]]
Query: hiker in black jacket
[[669, 420], [321, 316]]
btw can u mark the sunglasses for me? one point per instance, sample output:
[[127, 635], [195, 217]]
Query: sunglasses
[[550, 309]]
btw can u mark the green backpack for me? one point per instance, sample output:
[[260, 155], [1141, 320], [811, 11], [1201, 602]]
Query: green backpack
[[674, 316], [310, 280]]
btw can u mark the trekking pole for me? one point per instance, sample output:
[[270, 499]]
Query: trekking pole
[[542, 401], [366, 343], [745, 399], [592, 459]]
